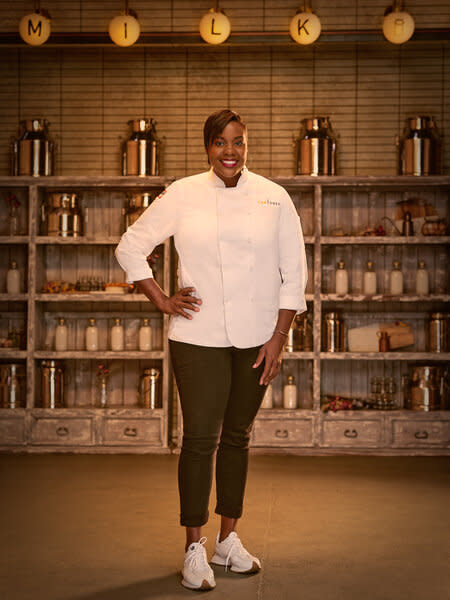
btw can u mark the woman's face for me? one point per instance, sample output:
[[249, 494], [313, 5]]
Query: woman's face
[[227, 153]]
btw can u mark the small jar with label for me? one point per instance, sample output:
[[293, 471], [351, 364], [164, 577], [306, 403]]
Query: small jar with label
[[61, 335], [370, 280], [145, 336], [290, 393], [422, 279], [117, 336], [91, 336], [396, 279], [13, 279], [341, 279]]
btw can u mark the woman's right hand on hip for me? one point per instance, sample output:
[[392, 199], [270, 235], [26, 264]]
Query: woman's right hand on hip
[[181, 301]]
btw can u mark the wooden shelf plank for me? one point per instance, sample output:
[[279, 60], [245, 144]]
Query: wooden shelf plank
[[91, 297], [13, 297], [12, 353], [298, 355], [87, 181], [432, 356], [385, 240], [78, 241], [385, 298], [14, 239], [101, 354]]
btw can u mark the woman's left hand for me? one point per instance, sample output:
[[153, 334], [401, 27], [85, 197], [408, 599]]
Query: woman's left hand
[[271, 353]]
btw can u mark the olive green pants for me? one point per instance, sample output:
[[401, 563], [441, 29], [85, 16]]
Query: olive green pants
[[220, 396]]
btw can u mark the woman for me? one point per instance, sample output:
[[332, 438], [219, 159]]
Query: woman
[[242, 278]]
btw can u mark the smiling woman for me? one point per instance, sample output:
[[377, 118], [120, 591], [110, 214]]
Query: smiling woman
[[242, 279]]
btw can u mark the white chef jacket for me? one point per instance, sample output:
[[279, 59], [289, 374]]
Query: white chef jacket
[[241, 248]]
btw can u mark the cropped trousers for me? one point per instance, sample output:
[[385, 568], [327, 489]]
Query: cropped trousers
[[220, 396]]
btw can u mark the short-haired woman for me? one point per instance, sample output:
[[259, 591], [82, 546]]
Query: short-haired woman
[[242, 279]]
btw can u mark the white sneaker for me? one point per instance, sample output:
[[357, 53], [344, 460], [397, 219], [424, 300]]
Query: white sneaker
[[231, 552], [197, 574]]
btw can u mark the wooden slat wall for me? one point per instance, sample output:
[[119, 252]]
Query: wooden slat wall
[[89, 94]]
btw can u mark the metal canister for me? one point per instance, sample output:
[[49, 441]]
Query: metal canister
[[33, 152], [12, 385], [300, 335], [437, 332], [52, 384], [425, 383], [136, 205], [316, 148], [420, 147], [61, 215], [140, 153], [333, 333], [149, 396]]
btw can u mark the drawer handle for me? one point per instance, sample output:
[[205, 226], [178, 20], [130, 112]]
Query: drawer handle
[[130, 431], [62, 431], [351, 433], [421, 435], [281, 433]]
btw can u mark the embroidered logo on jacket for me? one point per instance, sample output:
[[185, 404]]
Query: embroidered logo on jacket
[[268, 202]]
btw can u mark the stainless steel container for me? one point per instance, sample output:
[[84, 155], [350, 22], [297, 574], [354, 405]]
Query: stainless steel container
[[424, 387], [316, 148], [333, 333], [437, 332], [141, 152], [420, 147], [149, 396], [61, 215], [300, 335], [52, 384], [135, 206], [12, 385], [33, 151]]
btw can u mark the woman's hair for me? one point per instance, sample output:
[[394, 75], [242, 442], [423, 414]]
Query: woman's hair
[[216, 123]]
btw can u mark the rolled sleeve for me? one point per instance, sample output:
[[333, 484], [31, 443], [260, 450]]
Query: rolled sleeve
[[157, 223], [293, 265]]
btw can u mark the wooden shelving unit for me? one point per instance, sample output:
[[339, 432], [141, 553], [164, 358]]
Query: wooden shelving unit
[[323, 203], [351, 204], [80, 426]]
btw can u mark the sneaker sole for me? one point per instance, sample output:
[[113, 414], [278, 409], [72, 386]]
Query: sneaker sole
[[204, 587], [218, 560]]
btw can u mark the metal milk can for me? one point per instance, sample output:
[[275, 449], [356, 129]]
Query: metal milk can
[[420, 147], [141, 152], [61, 215], [316, 148], [33, 151]]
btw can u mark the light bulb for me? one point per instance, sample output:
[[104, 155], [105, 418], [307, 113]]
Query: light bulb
[[214, 27], [124, 30], [35, 29], [305, 27], [398, 26]]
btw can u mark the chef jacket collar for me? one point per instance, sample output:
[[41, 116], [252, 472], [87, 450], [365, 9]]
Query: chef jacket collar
[[217, 182]]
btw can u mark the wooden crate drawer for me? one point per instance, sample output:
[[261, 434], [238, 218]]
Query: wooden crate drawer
[[62, 432], [283, 432], [12, 431], [132, 431], [419, 433], [350, 432]]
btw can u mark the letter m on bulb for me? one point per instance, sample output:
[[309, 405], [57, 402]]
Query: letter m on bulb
[[34, 30], [301, 26]]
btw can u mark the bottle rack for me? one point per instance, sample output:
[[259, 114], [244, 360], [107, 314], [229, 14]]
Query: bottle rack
[[324, 203]]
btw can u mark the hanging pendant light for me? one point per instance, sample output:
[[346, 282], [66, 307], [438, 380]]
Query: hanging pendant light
[[398, 25], [305, 26], [35, 28], [215, 26], [124, 30]]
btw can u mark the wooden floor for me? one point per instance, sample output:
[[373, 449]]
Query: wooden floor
[[105, 527]]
